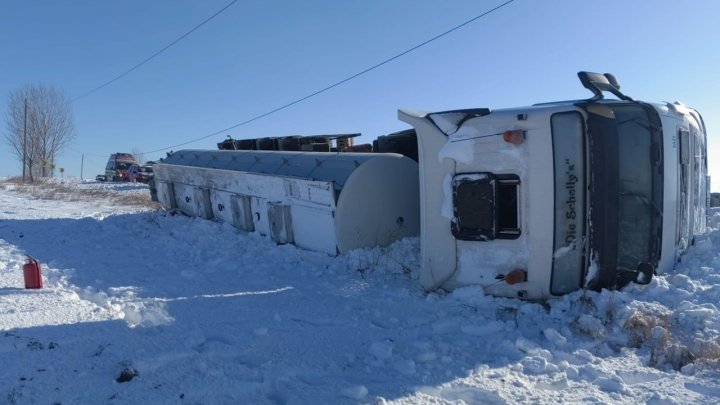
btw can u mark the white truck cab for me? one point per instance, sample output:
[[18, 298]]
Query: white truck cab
[[539, 201]]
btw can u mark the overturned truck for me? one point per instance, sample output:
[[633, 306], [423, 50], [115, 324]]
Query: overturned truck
[[326, 202], [530, 202]]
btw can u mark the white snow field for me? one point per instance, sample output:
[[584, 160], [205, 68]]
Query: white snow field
[[143, 307]]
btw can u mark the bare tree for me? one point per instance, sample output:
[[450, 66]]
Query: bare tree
[[41, 133]]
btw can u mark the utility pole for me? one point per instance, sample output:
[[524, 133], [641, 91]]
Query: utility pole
[[24, 140], [82, 163]]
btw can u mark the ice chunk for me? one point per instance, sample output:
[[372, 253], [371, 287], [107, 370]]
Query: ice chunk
[[611, 383], [356, 392], [483, 329], [537, 365], [554, 337], [406, 367], [381, 350]]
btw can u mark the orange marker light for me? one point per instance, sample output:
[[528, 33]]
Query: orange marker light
[[515, 136], [516, 276]]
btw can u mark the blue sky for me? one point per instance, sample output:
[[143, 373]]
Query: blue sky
[[259, 55]]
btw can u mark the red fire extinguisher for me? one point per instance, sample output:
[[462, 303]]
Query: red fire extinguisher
[[32, 274]]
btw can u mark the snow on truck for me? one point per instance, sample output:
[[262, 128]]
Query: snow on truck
[[530, 202]]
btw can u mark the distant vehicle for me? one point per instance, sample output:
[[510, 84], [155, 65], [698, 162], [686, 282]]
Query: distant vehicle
[[118, 165], [132, 173], [145, 173], [100, 177]]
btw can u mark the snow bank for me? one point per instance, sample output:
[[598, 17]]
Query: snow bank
[[144, 307]]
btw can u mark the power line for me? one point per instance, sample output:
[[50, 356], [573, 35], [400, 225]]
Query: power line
[[386, 61], [156, 53]]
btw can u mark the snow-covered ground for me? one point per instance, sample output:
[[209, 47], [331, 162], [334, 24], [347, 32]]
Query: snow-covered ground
[[190, 311]]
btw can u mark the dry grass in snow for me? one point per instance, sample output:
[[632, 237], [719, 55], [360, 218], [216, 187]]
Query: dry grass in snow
[[55, 189]]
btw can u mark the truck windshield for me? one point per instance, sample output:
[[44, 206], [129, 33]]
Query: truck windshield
[[638, 210], [624, 202], [618, 223]]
